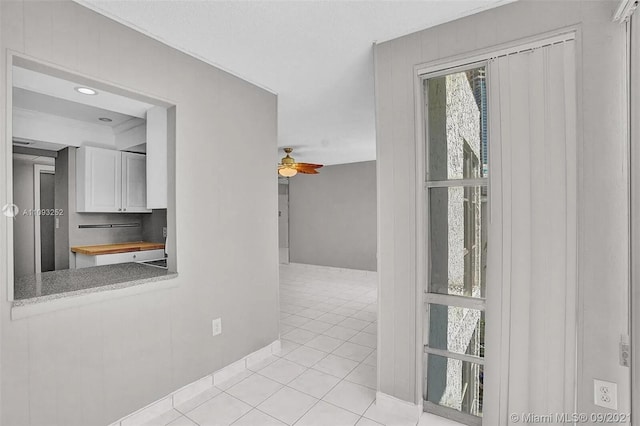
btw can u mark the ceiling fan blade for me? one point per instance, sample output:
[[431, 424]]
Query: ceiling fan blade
[[309, 165], [307, 168], [307, 171]]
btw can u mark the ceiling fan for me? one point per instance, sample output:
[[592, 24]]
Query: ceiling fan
[[288, 166]]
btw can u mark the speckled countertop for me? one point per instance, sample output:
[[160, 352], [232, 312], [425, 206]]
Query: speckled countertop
[[71, 282]]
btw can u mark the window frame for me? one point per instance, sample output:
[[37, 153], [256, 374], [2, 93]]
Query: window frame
[[435, 298]]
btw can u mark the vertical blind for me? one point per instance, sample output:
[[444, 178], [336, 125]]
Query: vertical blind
[[532, 125]]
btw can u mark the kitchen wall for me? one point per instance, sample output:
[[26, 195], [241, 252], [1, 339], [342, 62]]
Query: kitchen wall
[[602, 242], [92, 364], [332, 216], [152, 225]]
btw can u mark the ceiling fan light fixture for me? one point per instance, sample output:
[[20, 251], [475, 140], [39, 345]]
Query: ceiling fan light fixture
[[288, 166], [287, 171]]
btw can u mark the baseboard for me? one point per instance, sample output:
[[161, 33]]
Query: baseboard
[[403, 408], [175, 398], [361, 273]]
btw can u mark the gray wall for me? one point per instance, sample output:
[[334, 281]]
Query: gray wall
[[152, 225], [92, 364], [332, 217], [602, 188]]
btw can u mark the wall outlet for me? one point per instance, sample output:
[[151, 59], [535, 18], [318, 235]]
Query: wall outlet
[[164, 232], [217, 326], [605, 394]]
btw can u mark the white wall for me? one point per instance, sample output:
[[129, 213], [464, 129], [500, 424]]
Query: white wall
[[93, 364], [332, 217], [602, 184]]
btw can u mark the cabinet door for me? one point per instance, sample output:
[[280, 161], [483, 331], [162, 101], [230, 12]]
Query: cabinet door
[[157, 166], [98, 180], [134, 183]]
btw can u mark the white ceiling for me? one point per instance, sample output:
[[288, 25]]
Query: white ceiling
[[62, 89], [316, 55], [34, 101]]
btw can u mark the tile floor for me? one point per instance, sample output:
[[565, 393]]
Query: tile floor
[[326, 372]]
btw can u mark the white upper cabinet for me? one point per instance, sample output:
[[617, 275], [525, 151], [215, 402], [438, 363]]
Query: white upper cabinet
[[109, 181], [157, 142], [134, 183], [98, 180]]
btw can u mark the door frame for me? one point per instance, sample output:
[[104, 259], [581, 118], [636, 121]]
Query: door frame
[[38, 169]]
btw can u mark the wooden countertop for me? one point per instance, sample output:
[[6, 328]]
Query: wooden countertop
[[117, 248]]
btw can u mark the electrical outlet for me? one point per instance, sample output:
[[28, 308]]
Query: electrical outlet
[[164, 232], [605, 394], [217, 326]]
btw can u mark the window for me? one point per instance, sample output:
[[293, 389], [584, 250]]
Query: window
[[456, 185]]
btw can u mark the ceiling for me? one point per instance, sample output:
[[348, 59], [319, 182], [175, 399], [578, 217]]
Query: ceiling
[[34, 101], [64, 90], [316, 55]]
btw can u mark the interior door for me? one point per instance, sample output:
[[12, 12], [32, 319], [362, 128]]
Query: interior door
[[47, 222], [283, 222]]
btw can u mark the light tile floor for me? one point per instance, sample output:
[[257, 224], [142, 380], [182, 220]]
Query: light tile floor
[[325, 374]]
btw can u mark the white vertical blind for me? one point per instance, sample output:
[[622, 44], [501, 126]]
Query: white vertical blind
[[634, 96], [532, 127]]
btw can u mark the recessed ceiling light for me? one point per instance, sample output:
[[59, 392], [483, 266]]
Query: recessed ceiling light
[[86, 90], [105, 119]]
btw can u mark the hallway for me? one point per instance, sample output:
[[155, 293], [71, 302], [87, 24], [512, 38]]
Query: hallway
[[326, 371]]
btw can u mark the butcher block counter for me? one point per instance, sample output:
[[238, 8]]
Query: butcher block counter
[[108, 254], [117, 248]]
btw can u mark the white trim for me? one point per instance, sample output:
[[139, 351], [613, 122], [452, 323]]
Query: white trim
[[37, 243], [452, 183], [398, 407], [353, 272], [422, 233], [455, 300], [467, 59], [625, 10], [7, 150], [455, 355], [451, 415], [193, 389]]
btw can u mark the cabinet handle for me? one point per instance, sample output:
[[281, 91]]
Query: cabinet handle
[[134, 256], [119, 210], [124, 210]]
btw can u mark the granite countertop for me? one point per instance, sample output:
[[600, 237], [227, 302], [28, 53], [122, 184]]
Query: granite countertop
[[71, 282]]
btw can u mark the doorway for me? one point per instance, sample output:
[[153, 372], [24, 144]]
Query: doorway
[[44, 222], [283, 220]]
